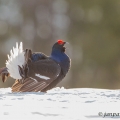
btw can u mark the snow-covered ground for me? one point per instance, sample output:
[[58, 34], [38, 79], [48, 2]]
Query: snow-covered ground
[[60, 104]]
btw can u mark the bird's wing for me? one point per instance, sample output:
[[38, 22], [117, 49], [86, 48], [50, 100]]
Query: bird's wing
[[38, 56], [40, 75], [34, 56], [28, 86], [44, 70]]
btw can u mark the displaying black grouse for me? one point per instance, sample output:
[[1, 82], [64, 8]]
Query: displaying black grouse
[[36, 71]]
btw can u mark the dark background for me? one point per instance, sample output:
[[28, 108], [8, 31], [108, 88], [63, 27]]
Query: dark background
[[92, 28]]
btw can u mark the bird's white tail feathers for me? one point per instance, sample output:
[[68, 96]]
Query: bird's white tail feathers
[[15, 58]]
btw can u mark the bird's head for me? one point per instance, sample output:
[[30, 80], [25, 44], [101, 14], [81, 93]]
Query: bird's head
[[59, 45]]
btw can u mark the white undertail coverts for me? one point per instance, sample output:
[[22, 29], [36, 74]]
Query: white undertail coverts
[[15, 58]]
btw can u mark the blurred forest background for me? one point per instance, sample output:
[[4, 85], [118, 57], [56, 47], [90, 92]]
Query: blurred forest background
[[92, 28]]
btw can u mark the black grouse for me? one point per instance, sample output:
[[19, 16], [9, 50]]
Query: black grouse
[[36, 71]]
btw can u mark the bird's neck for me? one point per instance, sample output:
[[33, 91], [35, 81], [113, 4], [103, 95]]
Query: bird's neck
[[62, 59], [58, 56]]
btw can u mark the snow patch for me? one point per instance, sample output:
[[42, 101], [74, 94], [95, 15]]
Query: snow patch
[[60, 104]]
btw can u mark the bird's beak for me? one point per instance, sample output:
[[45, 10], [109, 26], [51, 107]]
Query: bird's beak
[[66, 43]]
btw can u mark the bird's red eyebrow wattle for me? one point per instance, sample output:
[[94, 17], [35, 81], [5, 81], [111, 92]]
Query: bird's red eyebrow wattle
[[60, 42]]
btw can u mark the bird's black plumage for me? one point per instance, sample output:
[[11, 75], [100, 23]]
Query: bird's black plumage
[[42, 72]]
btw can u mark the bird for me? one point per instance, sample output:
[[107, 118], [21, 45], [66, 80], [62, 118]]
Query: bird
[[35, 71]]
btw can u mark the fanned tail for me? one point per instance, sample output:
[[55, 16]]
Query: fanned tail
[[15, 59]]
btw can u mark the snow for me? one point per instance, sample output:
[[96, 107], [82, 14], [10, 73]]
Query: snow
[[60, 104]]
